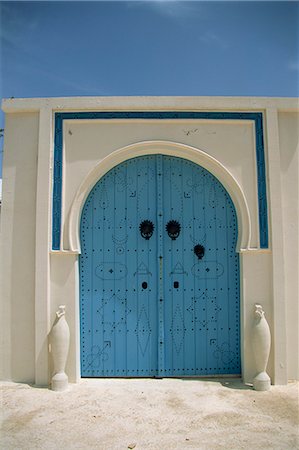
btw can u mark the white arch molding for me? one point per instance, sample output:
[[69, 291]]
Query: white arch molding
[[165, 148]]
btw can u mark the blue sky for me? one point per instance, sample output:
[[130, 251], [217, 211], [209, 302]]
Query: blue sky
[[149, 48]]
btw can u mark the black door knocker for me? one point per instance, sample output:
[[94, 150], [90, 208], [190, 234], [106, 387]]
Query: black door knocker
[[199, 251], [146, 229], [173, 229]]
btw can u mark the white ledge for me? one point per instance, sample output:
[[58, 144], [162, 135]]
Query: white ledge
[[64, 252], [147, 103]]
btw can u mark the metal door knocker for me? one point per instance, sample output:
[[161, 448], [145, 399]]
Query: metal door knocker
[[173, 229], [199, 251], [146, 229]]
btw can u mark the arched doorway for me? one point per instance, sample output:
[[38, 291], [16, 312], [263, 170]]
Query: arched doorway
[[159, 272]]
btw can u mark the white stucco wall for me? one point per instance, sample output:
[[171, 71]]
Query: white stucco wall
[[36, 280], [289, 142], [18, 246]]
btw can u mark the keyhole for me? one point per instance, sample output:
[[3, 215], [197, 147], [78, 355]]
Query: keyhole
[[144, 285], [176, 284]]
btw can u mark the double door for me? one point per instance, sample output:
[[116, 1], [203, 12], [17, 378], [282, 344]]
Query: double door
[[159, 273]]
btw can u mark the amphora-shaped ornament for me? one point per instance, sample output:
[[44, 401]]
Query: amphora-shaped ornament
[[261, 343], [60, 340]]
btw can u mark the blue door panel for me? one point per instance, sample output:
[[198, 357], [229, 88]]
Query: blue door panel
[[118, 319], [149, 305]]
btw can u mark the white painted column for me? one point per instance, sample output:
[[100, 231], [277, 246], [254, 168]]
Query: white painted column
[[275, 200], [43, 240]]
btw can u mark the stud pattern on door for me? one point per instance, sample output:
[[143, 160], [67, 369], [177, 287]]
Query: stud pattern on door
[[159, 274]]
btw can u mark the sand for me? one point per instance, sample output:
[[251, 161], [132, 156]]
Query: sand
[[149, 414]]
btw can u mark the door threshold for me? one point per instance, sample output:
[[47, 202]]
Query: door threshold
[[176, 377]]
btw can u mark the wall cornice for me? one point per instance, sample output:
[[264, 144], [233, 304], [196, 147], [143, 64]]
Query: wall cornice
[[146, 103]]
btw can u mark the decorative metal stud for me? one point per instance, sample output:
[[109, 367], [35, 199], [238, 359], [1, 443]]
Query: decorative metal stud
[[146, 229], [199, 251], [173, 229]]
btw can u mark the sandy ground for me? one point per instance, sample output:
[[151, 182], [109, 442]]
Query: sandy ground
[[150, 414]]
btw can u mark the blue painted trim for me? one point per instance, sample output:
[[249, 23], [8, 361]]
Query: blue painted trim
[[260, 156]]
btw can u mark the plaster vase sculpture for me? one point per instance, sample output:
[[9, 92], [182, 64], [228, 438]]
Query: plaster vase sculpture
[[60, 339], [261, 342]]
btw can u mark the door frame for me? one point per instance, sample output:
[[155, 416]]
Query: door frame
[[168, 148], [193, 154]]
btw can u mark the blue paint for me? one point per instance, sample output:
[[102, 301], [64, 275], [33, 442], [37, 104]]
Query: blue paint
[[151, 307], [119, 326], [159, 260], [165, 115]]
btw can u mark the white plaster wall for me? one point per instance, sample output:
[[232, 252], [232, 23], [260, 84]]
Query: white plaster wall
[[18, 247], [289, 149], [231, 143], [86, 143]]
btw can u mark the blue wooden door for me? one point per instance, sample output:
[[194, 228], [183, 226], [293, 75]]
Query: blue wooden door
[[159, 275]]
